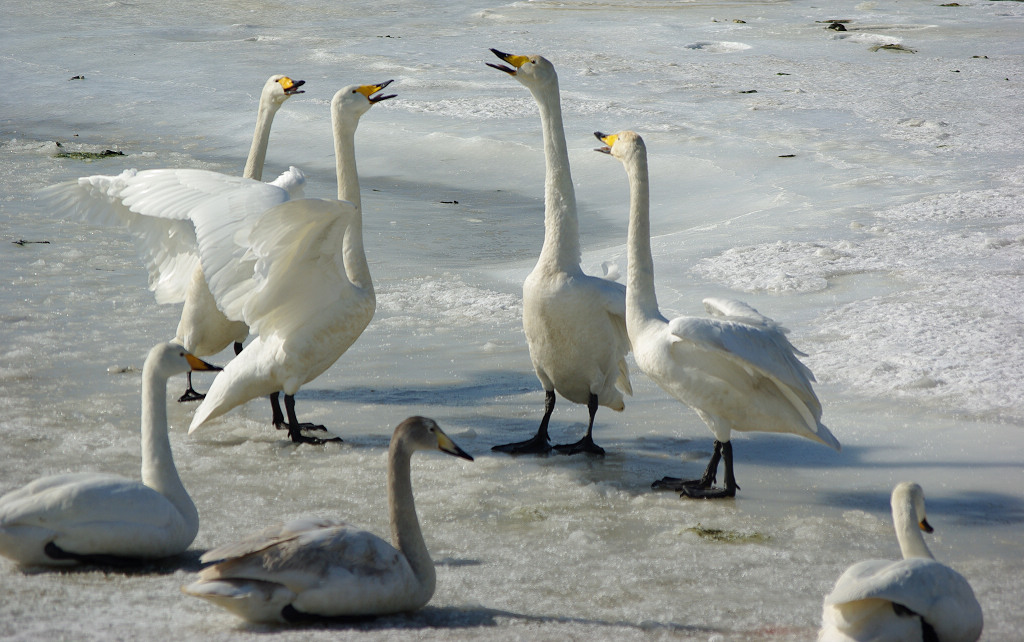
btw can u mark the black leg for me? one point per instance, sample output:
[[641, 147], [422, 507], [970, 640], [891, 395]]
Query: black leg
[[238, 348], [585, 445], [276, 416], [706, 492], [539, 444], [706, 480], [190, 392], [295, 428]]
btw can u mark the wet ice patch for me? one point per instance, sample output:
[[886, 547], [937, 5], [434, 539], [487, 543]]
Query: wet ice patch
[[717, 46], [419, 302]]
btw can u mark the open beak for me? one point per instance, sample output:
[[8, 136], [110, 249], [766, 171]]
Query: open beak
[[370, 92], [515, 61], [446, 445], [199, 364], [291, 87], [608, 140]]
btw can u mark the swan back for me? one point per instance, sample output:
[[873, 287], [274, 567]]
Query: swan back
[[881, 599]]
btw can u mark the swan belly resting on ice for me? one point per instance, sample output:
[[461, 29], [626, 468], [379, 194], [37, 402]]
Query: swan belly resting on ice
[[916, 598], [103, 518], [314, 568]]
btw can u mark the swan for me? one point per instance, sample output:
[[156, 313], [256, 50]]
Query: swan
[[312, 567], [298, 277], [100, 518], [737, 371], [575, 324], [916, 598], [153, 211], [203, 328]]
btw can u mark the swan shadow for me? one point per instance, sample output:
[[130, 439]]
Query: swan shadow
[[187, 561], [968, 508], [451, 618], [484, 388]]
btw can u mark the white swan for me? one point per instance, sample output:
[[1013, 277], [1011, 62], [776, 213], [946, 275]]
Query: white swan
[[153, 205], [102, 518], [574, 323], [738, 372], [915, 598], [203, 329], [319, 568], [298, 278]]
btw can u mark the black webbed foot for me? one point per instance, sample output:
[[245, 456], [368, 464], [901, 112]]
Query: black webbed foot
[[585, 445], [191, 395], [537, 445], [677, 484]]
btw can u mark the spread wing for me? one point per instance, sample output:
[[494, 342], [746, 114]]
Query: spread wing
[[154, 206], [276, 272]]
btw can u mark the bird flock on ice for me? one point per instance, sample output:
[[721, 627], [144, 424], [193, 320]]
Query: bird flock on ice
[[256, 261]]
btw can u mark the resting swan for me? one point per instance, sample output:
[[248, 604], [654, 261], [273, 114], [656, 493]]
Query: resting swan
[[153, 205], [737, 371], [915, 598], [298, 277], [313, 568], [574, 323], [101, 518]]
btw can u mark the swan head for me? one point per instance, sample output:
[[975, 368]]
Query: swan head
[[908, 496], [529, 70], [355, 100], [169, 359], [421, 433], [622, 146], [280, 88]]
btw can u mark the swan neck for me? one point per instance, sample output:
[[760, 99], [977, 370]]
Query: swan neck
[[561, 226], [406, 535], [158, 469], [354, 255], [260, 141], [911, 540], [641, 300]]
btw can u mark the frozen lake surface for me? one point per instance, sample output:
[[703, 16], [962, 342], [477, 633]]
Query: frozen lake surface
[[865, 188]]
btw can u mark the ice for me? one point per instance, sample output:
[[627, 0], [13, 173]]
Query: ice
[[870, 201]]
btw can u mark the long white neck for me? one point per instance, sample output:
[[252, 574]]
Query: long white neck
[[348, 190], [904, 518], [641, 300], [260, 140], [406, 535], [561, 248], [158, 470]]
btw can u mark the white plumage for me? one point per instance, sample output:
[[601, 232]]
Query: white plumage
[[738, 371], [97, 517], [574, 323], [297, 276], [913, 599], [154, 206], [312, 567]]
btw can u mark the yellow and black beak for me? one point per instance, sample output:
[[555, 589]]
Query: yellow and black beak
[[370, 92], [199, 364], [446, 445], [925, 526], [515, 61], [608, 140], [291, 87]]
